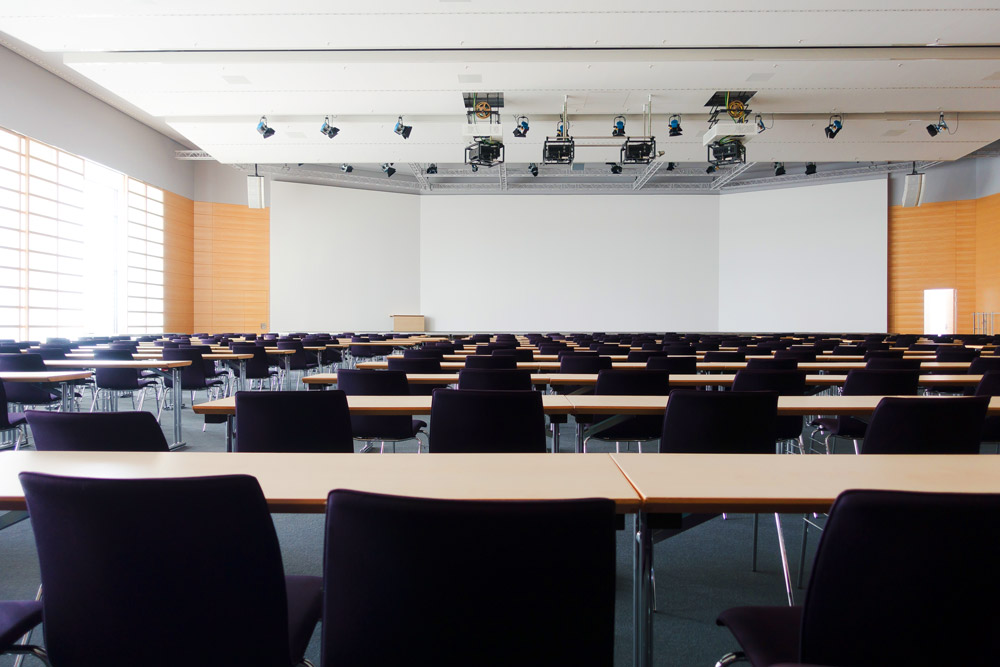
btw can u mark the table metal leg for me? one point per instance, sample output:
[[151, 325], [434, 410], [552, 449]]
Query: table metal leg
[[287, 384], [241, 380], [642, 650], [178, 393], [66, 397], [229, 432], [555, 437], [579, 438]]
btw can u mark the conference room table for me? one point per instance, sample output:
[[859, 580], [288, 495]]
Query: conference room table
[[42, 378], [707, 366], [171, 369]]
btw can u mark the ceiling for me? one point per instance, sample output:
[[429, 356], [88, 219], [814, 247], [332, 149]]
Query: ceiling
[[206, 72]]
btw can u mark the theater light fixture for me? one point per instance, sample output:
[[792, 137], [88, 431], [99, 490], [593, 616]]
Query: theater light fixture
[[327, 129], [615, 168], [779, 168], [941, 126], [618, 126], [401, 129], [387, 168], [346, 168], [810, 168], [835, 126], [475, 168], [431, 170], [675, 126], [533, 169], [521, 127], [711, 169], [760, 123], [262, 127], [671, 166]]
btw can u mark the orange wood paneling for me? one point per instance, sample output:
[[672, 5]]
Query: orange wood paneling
[[988, 254], [178, 263], [231, 268]]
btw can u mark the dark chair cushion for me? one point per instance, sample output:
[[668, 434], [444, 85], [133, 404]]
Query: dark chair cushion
[[767, 634]]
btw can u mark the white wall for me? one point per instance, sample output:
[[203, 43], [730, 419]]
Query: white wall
[[804, 259], [341, 258], [37, 103], [532, 263]]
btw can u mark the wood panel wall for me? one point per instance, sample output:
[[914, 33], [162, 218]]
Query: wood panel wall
[[178, 263], [943, 245], [231, 269]]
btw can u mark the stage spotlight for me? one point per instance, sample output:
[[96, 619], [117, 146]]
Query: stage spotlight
[[711, 169], [475, 168], [262, 127], [675, 126], [810, 168], [618, 126], [779, 168], [387, 168], [760, 124], [431, 170], [521, 126], [533, 169], [327, 129], [346, 168], [941, 126], [835, 126], [615, 168], [671, 166], [402, 130]]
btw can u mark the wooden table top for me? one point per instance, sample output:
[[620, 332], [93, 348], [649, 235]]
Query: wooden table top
[[382, 405], [146, 356], [794, 483], [301, 482], [114, 363], [44, 376]]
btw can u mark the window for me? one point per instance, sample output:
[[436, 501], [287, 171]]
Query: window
[[81, 245]]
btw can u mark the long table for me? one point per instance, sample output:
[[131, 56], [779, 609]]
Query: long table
[[715, 366]]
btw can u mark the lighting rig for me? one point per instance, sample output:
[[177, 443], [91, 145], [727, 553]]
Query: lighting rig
[[729, 127], [561, 148], [641, 150], [482, 110]]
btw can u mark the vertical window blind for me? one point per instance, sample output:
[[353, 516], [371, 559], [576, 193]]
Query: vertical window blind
[[81, 245]]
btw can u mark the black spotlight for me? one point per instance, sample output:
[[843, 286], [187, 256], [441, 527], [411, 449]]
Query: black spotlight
[[711, 169], [671, 166], [402, 130], [263, 128], [346, 168], [932, 130], [675, 126], [779, 168], [475, 168], [835, 126], [521, 126], [327, 129], [618, 126], [431, 169], [941, 126], [810, 168], [760, 124], [387, 168], [533, 169], [616, 168]]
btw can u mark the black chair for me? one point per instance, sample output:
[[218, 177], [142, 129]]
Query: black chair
[[892, 363], [466, 420], [899, 579], [673, 365], [883, 354], [715, 355], [949, 425], [990, 386], [489, 361], [497, 379], [257, 368], [426, 365], [762, 364], [864, 382], [786, 383], [797, 355], [114, 381], [193, 377], [18, 618], [455, 553], [24, 393], [424, 353], [96, 432], [381, 429], [11, 421], [622, 382], [954, 353], [292, 421], [162, 572]]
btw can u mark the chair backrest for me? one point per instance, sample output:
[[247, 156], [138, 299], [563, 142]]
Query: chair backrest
[[359, 382], [467, 420], [954, 353], [981, 365], [112, 547], [573, 363], [293, 421], [258, 367], [673, 365], [889, 363], [494, 378], [193, 375], [798, 355], [772, 364], [425, 365], [785, 382], [96, 431], [424, 353], [520, 355], [883, 354], [989, 385], [489, 361], [632, 382], [720, 422], [562, 615], [888, 382], [908, 557], [948, 425], [22, 362], [716, 355], [847, 350]]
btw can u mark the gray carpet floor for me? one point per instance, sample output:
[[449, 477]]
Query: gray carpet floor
[[698, 573]]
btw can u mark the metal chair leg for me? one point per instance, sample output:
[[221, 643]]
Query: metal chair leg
[[756, 526], [802, 552], [784, 561]]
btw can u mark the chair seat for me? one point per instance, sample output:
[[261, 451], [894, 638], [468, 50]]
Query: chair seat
[[16, 618], [768, 635], [845, 427], [417, 425], [305, 603], [16, 418]]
